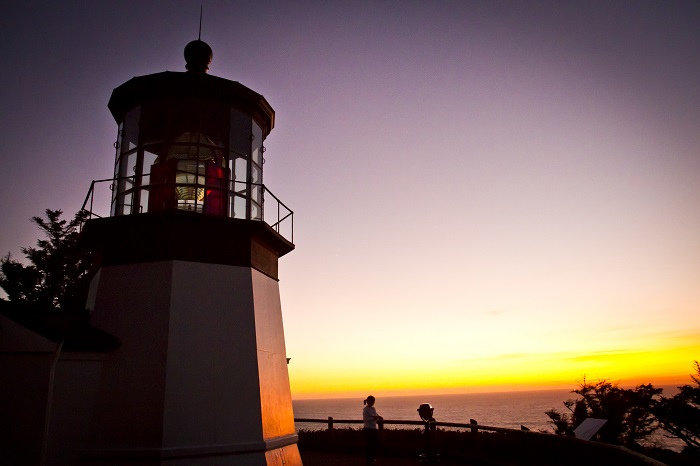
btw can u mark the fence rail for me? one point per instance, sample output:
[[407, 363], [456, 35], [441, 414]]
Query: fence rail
[[473, 425]]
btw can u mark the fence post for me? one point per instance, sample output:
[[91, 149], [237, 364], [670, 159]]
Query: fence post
[[474, 427], [330, 429]]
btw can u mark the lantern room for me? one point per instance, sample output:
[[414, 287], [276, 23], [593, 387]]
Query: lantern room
[[189, 141]]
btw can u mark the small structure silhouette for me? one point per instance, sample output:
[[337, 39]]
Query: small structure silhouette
[[588, 428]]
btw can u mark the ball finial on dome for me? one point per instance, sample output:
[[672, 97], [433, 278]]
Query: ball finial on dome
[[198, 55]]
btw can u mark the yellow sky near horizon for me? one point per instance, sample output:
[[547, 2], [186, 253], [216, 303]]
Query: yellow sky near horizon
[[661, 363]]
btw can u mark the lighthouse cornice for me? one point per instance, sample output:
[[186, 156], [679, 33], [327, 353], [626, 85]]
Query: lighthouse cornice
[[186, 85]]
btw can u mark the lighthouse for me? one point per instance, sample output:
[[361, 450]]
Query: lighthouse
[[186, 277]]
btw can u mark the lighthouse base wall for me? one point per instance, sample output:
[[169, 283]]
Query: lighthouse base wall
[[201, 374]]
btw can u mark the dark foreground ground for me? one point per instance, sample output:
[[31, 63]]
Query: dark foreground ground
[[345, 447], [321, 458], [326, 458]]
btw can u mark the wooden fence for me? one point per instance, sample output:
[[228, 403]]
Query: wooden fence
[[473, 426]]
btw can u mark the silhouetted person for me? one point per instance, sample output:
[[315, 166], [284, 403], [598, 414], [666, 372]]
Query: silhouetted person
[[371, 429]]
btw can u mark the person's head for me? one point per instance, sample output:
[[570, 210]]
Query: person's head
[[369, 401]]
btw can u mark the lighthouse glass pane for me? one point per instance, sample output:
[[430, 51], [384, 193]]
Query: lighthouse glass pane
[[257, 144], [125, 196], [149, 158], [143, 201], [130, 132], [127, 166], [255, 174], [256, 194], [239, 133], [255, 212], [120, 132], [241, 173], [126, 205], [238, 207]]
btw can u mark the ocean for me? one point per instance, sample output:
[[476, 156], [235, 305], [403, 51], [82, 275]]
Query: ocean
[[505, 409]]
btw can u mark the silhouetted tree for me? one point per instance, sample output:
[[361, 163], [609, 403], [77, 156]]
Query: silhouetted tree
[[680, 414], [57, 273], [640, 419], [628, 412], [564, 423], [561, 421]]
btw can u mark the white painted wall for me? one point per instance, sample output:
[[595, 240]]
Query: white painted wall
[[202, 365], [132, 303], [212, 388], [277, 414]]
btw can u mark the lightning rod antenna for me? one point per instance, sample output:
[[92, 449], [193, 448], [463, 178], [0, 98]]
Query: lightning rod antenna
[[200, 23]]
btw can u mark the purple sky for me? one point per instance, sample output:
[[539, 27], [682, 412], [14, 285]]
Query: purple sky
[[493, 169]]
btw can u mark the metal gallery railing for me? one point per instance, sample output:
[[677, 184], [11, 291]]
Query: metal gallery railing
[[100, 201]]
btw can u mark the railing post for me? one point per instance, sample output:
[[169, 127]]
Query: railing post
[[330, 429], [92, 197], [474, 427]]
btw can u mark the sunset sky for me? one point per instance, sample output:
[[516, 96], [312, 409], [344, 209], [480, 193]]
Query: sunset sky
[[487, 195]]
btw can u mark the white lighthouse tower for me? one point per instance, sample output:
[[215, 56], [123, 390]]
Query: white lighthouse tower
[[187, 280]]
